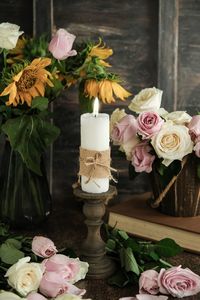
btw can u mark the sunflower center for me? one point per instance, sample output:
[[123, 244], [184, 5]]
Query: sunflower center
[[26, 81]]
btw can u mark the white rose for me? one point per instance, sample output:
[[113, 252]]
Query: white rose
[[9, 34], [178, 117], [116, 116], [25, 277], [69, 297], [128, 147], [9, 296], [147, 100], [82, 271], [172, 142]]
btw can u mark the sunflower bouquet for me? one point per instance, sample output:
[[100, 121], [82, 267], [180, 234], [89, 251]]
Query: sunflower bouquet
[[33, 73]]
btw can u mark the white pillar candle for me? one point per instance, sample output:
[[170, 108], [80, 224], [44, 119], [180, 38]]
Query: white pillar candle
[[95, 136]]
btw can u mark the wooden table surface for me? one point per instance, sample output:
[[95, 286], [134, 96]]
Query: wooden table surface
[[66, 228]]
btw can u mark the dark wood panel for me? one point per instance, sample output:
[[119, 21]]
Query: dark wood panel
[[168, 51], [19, 12], [130, 28], [189, 56]]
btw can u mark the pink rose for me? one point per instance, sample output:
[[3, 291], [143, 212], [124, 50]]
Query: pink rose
[[35, 296], [55, 283], [124, 130], [149, 123], [73, 269], [61, 44], [178, 282], [142, 159], [43, 246], [197, 149], [150, 297], [194, 127], [148, 282]]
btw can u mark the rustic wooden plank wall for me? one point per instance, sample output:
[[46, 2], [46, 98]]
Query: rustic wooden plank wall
[[130, 28]]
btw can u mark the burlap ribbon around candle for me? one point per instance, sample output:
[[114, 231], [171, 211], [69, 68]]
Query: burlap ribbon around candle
[[95, 164]]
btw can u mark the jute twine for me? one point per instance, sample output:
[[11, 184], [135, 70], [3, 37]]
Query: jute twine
[[95, 164], [157, 202]]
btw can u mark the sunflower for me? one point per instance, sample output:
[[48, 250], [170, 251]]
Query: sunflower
[[29, 83], [105, 89], [102, 53]]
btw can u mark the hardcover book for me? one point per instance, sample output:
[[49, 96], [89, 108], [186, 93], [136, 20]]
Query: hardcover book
[[136, 217]]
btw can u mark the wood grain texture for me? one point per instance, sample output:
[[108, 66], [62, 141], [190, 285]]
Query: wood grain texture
[[189, 56], [42, 17], [131, 30], [19, 12], [168, 52]]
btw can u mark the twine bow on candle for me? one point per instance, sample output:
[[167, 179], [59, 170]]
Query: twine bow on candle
[[95, 164]]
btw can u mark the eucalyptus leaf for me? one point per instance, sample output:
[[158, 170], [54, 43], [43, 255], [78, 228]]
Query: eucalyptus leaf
[[30, 135], [10, 255], [167, 248]]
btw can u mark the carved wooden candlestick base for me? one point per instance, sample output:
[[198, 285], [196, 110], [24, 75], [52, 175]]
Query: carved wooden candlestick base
[[93, 248]]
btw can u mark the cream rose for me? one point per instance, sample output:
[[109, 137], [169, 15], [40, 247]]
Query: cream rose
[[69, 297], [116, 116], [178, 117], [172, 142], [9, 34], [147, 100], [9, 296], [24, 277]]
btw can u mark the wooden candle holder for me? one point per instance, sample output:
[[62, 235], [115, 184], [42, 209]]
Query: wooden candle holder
[[93, 247]]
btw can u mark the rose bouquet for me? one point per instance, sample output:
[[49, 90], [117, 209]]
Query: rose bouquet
[[158, 142], [50, 275]]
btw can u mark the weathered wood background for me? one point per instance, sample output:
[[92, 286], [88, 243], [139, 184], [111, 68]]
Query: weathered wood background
[[155, 43]]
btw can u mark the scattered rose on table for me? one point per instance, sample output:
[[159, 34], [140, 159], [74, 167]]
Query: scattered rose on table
[[25, 276], [4, 295], [148, 282], [43, 247], [178, 282], [72, 269]]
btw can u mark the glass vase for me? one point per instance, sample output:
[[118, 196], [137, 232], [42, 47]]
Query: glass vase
[[25, 199]]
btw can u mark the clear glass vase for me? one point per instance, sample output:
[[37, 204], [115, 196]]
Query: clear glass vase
[[25, 199]]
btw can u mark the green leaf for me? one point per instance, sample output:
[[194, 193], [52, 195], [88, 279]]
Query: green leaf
[[129, 261], [14, 243], [154, 255], [167, 248], [40, 103], [120, 279], [131, 243], [30, 135], [123, 234], [10, 255], [110, 245]]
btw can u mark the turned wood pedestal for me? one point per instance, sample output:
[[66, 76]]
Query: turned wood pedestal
[[93, 247]]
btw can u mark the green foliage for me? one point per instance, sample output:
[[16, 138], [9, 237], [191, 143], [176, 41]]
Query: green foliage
[[32, 136], [135, 256]]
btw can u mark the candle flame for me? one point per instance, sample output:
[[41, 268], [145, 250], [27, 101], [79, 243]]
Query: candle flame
[[96, 107]]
